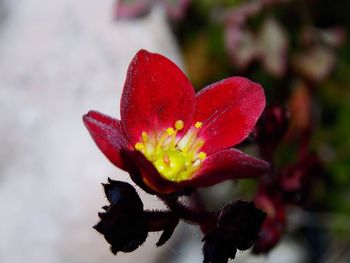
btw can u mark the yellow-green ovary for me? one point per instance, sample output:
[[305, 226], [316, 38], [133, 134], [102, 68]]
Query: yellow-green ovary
[[173, 165]]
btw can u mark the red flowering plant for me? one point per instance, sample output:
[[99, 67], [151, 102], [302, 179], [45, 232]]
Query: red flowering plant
[[172, 141]]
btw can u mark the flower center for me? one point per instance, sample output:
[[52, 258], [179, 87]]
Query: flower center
[[176, 158]]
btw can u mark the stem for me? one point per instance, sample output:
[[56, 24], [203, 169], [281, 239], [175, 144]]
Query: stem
[[206, 220], [165, 221], [160, 220]]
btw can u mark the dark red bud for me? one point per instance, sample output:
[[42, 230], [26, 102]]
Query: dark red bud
[[124, 224], [237, 228]]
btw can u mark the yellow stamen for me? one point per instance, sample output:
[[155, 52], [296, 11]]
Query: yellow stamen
[[179, 125], [161, 140], [139, 146], [170, 131], [202, 155], [176, 158], [144, 136], [188, 141], [198, 124]]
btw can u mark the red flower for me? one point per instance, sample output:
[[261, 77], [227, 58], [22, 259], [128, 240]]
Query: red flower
[[170, 138]]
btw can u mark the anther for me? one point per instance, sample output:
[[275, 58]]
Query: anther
[[139, 146], [170, 131], [198, 124], [179, 125], [202, 155]]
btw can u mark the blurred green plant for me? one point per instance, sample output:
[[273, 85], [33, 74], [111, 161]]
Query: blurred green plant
[[299, 51]]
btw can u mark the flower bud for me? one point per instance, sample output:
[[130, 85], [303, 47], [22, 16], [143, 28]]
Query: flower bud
[[237, 228], [123, 225]]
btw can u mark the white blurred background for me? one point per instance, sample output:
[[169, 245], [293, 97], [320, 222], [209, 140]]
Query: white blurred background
[[58, 59]]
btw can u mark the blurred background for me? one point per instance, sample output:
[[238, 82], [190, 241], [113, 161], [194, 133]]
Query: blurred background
[[59, 59]]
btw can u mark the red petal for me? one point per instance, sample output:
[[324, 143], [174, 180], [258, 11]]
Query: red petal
[[227, 164], [229, 110], [108, 134], [156, 94]]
